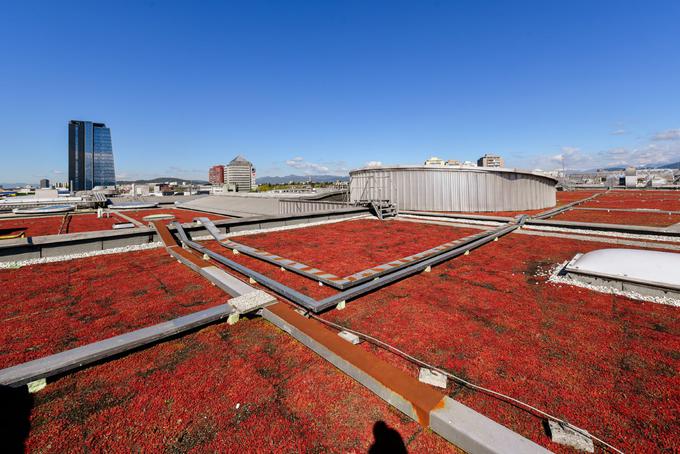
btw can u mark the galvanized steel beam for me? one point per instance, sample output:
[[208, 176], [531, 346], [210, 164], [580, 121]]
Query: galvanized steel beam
[[563, 208], [76, 358], [355, 292], [339, 283]]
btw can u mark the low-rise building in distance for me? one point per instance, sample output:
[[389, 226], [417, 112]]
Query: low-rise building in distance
[[438, 162], [216, 174], [434, 161], [489, 160], [238, 175]]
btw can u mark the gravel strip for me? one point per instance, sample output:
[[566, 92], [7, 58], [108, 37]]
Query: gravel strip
[[81, 255], [555, 278]]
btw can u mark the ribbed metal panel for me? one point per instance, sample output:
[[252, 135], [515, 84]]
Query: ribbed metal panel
[[453, 188], [307, 206]]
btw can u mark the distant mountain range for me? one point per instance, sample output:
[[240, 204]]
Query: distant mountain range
[[15, 185], [672, 165], [302, 178]]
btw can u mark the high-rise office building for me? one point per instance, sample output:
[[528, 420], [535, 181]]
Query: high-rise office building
[[240, 173], [216, 174], [90, 156], [44, 183]]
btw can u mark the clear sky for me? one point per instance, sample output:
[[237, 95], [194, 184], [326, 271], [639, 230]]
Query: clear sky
[[323, 87]]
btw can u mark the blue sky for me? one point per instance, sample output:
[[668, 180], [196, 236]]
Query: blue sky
[[323, 87]]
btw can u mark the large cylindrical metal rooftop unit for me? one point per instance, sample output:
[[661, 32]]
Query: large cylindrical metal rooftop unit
[[453, 188]]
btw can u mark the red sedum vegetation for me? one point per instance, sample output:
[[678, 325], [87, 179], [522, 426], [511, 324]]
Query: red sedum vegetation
[[38, 226], [243, 388], [603, 362], [619, 217], [606, 363], [660, 200], [565, 197], [50, 225], [57, 306], [90, 223], [351, 246]]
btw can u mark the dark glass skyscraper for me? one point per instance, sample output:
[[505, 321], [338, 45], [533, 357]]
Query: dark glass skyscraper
[[90, 155]]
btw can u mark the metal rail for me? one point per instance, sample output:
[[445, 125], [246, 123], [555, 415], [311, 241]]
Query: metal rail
[[353, 293], [76, 358], [287, 292], [413, 269], [567, 207], [338, 283]]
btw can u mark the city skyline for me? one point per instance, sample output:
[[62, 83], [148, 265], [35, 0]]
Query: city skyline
[[333, 87]]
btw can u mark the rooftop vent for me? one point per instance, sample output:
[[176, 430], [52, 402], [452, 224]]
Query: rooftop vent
[[649, 273]]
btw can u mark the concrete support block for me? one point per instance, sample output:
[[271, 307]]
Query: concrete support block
[[341, 305], [36, 386], [565, 435], [350, 337], [233, 318], [302, 312], [252, 301], [432, 377], [225, 281]]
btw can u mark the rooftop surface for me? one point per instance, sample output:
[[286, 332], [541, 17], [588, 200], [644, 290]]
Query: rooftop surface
[[650, 199], [598, 360], [646, 218], [221, 388], [58, 306], [604, 362], [645, 208], [348, 247], [88, 222], [53, 225]]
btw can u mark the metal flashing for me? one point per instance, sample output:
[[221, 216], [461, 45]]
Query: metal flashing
[[647, 272]]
